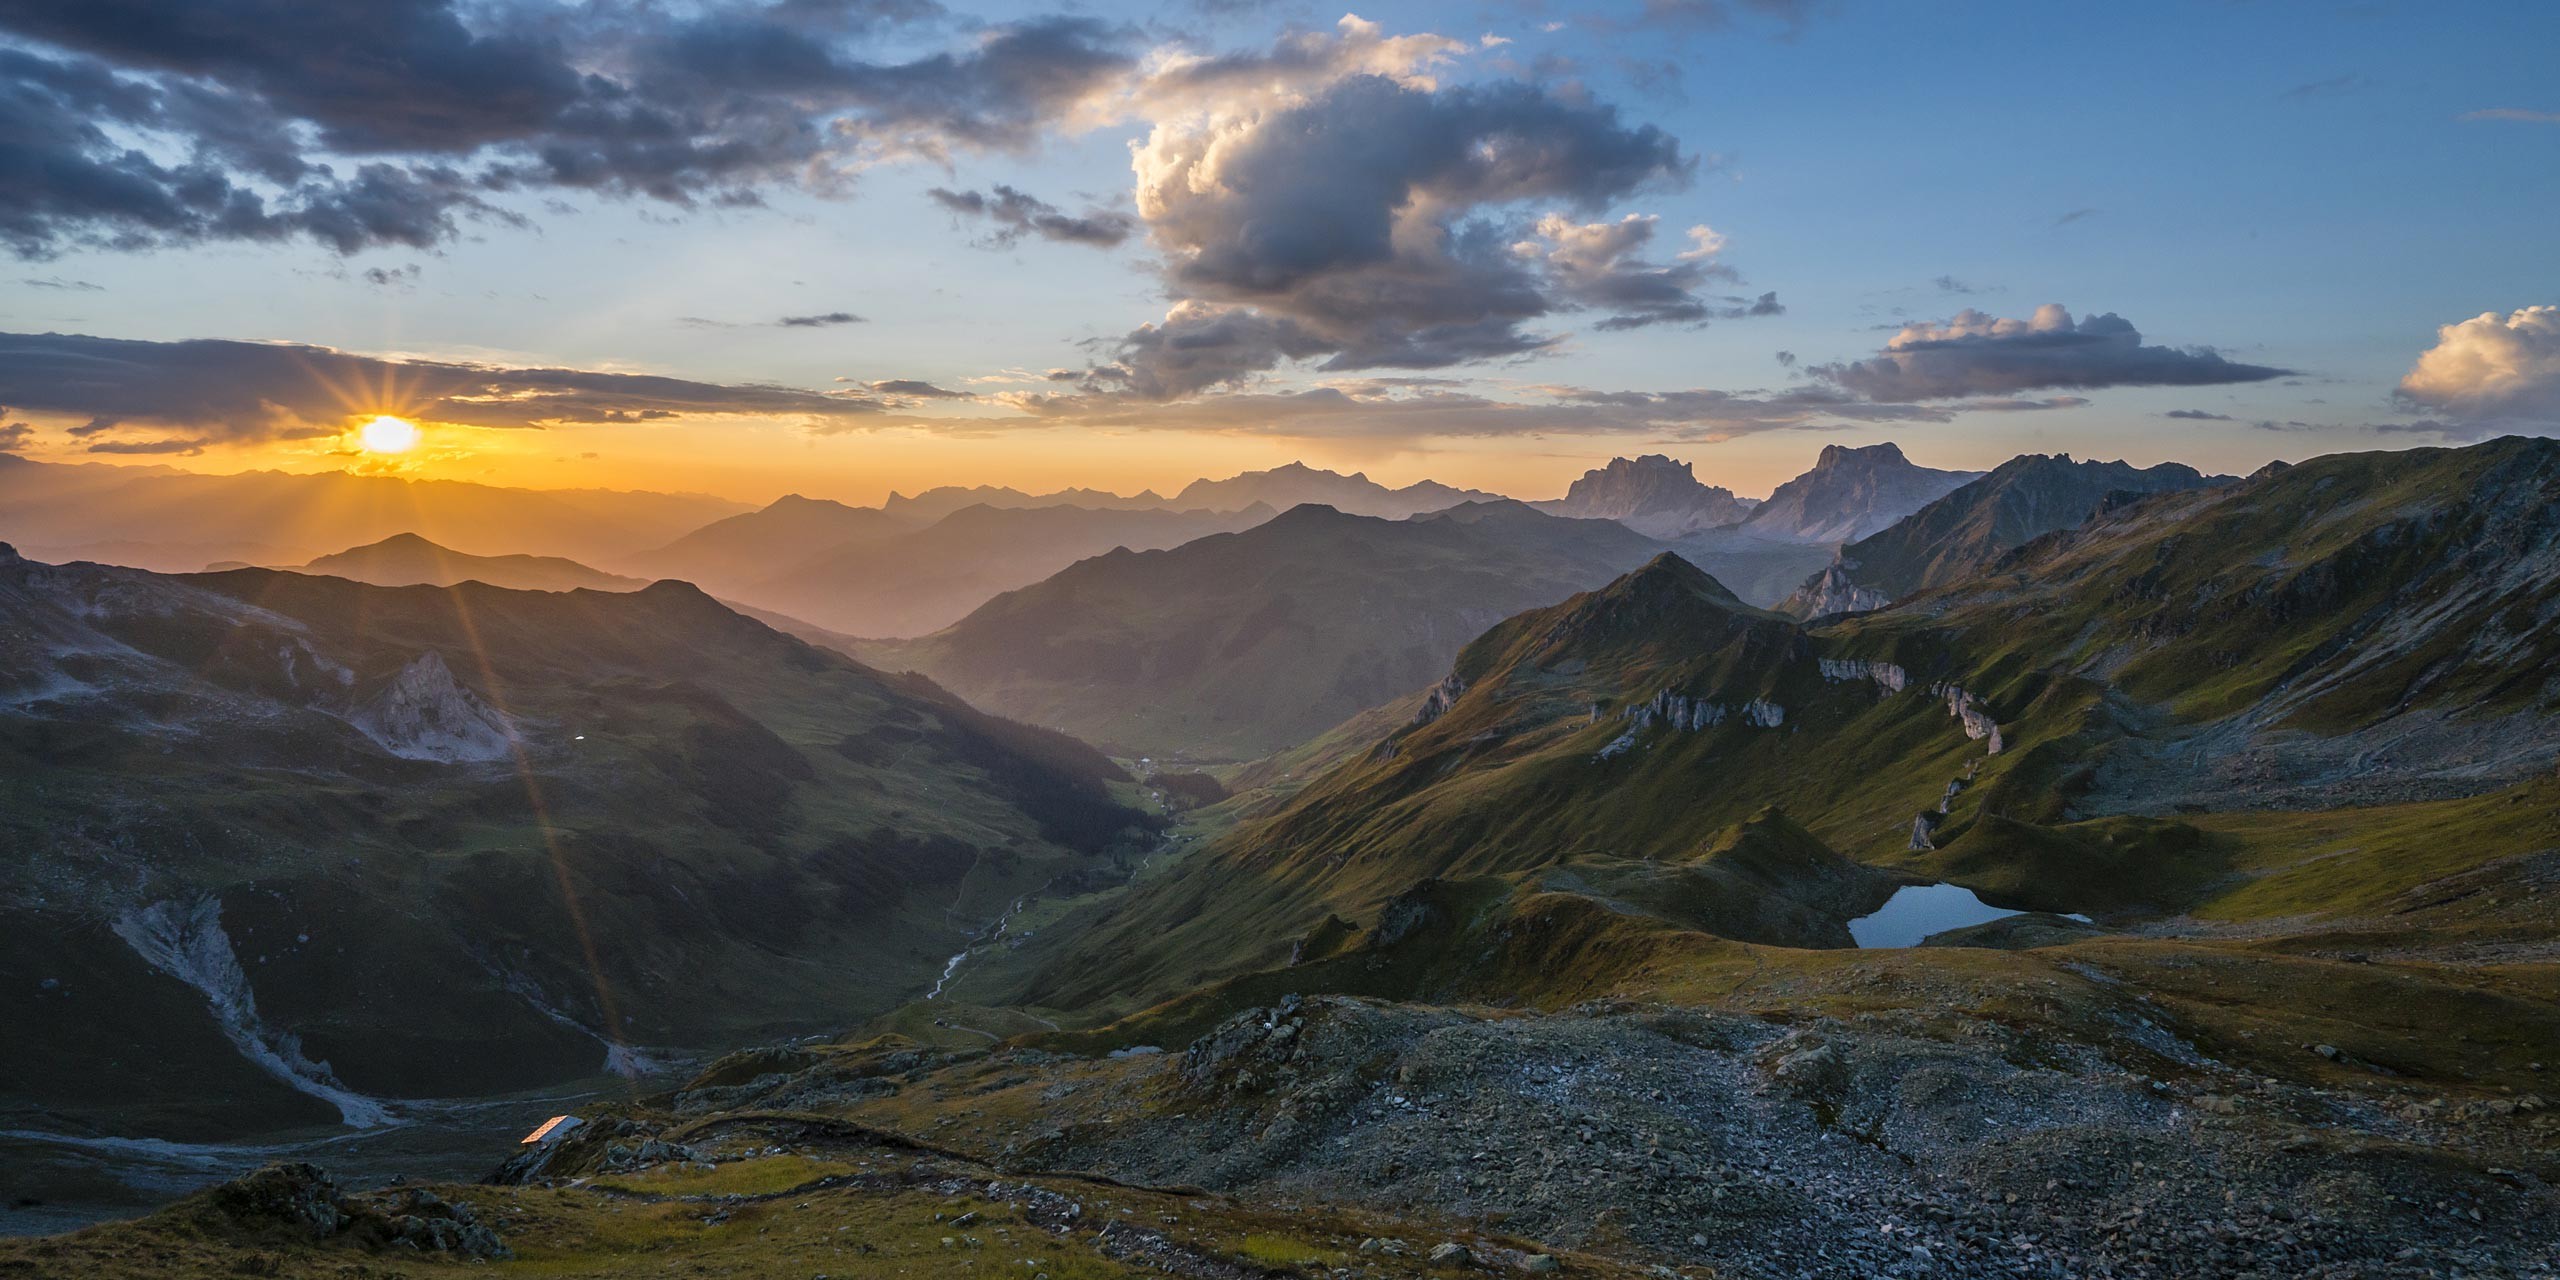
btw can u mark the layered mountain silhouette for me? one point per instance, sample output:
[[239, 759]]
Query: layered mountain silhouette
[[730, 556], [935, 503], [1968, 530], [177, 521], [407, 560], [912, 583], [1239, 644], [1298, 484]]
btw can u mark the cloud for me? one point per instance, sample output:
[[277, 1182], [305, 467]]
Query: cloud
[[2075, 216], [2198, 415], [1331, 202], [915, 389], [388, 277], [2491, 368], [58, 283], [390, 122], [1598, 265], [185, 448], [1976, 354], [2516, 114], [219, 390], [15, 436], [1949, 284], [1018, 213], [821, 320], [1404, 409]]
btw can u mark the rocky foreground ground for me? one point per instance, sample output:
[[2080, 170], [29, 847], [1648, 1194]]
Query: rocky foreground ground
[[1340, 1137]]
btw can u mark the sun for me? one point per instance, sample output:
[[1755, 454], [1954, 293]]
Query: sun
[[387, 434]]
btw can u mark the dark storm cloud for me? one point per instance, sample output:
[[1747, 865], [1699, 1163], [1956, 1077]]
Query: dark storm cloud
[[1364, 226], [389, 122], [67, 178], [1976, 355], [224, 390], [1016, 213]]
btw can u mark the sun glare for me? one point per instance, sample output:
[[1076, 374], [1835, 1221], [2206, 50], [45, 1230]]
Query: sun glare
[[387, 434]]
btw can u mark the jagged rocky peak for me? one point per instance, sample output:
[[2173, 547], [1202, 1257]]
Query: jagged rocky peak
[[1851, 493], [1655, 495], [1834, 456], [423, 713]]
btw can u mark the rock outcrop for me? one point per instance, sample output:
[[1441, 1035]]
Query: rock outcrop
[[423, 713], [1685, 714], [1887, 676], [1441, 697], [1977, 722], [304, 1198]]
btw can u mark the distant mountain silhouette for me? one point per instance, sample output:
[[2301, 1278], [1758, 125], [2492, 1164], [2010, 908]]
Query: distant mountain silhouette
[[1653, 495], [405, 559], [1238, 644], [1851, 493]]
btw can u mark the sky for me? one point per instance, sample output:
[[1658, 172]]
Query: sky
[[838, 247]]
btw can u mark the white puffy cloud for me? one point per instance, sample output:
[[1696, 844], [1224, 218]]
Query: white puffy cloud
[[2492, 367]]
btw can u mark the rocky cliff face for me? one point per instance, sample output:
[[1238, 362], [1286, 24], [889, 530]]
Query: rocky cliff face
[[1852, 493], [1653, 495]]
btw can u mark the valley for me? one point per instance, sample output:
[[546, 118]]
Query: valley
[[2026, 922]]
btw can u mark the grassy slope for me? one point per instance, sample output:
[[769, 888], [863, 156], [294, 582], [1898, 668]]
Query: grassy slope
[[1509, 779]]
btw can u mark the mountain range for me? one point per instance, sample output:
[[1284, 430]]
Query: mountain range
[[1968, 530], [292, 848], [2210, 826], [169, 520], [407, 560], [910, 583], [1239, 644]]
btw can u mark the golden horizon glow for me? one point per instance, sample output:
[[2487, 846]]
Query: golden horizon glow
[[387, 434]]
